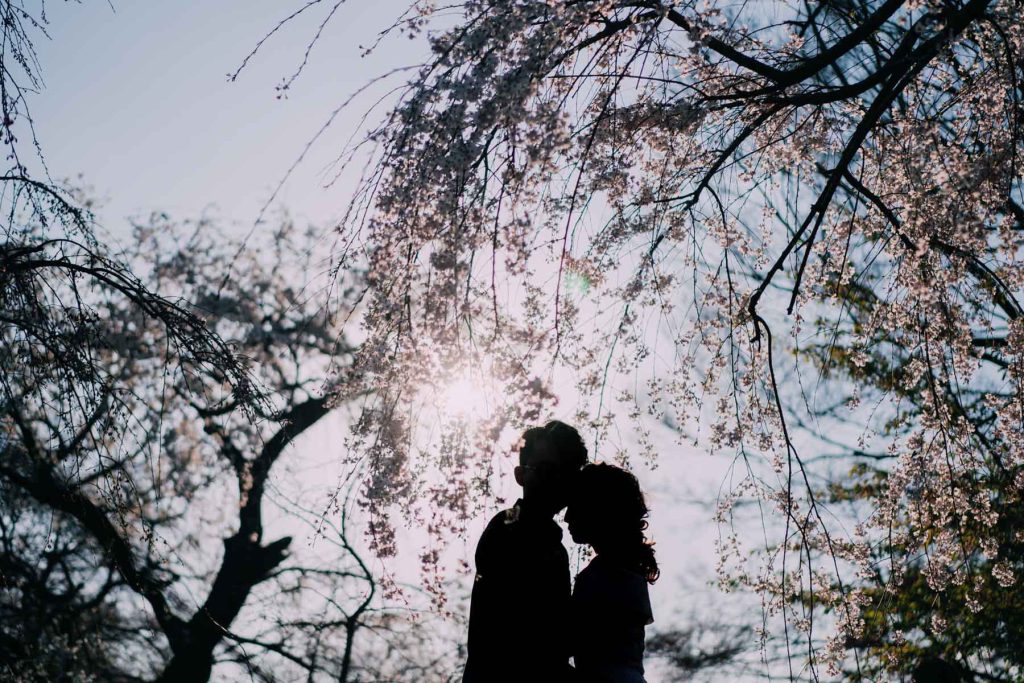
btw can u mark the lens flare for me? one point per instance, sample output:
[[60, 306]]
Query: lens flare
[[462, 398]]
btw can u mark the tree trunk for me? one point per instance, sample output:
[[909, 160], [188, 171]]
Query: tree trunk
[[246, 563]]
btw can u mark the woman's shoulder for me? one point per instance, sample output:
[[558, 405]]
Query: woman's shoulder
[[604, 570], [604, 584]]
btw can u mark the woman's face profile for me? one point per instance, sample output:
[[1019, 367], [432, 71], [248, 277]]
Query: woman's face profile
[[580, 520]]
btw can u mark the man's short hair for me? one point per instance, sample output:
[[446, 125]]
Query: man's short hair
[[565, 440]]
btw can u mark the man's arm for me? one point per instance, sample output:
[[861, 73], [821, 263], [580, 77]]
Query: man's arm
[[490, 636]]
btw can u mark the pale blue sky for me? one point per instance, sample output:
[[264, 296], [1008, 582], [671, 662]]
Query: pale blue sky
[[137, 100]]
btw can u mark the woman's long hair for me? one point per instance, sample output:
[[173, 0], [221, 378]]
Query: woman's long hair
[[612, 506]]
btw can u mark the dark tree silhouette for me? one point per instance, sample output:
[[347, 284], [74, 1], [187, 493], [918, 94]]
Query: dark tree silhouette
[[113, 531], [139, 448]]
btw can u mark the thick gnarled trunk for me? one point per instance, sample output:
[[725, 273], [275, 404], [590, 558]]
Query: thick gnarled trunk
[[246, 563]]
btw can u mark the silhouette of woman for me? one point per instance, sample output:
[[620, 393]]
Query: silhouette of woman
[[610, 602]]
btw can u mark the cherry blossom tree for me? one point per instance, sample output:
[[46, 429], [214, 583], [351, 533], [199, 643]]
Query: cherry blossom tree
[[52, 257], [141, 547], [660, 207], [141, 452], [968, 612]]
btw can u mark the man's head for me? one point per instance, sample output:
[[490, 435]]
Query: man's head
[[548, 458]]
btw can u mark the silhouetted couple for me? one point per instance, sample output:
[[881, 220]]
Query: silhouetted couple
[[524, 622]]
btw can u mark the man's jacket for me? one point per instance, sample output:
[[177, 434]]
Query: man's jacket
[[519, 611]]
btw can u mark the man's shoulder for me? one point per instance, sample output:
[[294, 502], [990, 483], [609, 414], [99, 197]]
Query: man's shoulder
[[512, 528], [499, 538], [503, 521]]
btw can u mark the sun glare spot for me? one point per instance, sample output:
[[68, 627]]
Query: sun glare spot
[[467, 396], [461, 398]]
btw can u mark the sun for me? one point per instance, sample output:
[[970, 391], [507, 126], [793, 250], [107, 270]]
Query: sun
[[466, 395], [461, 398]]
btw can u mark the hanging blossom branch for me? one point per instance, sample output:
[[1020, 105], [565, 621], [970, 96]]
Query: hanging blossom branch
[[568, 186]]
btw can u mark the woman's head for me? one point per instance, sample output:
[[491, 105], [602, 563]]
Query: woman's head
[[607, 510]]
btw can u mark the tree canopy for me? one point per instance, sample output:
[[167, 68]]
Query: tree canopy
[[788, 231], [698, 211]]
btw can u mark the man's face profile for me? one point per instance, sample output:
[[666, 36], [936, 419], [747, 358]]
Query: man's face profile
[[544, 476]]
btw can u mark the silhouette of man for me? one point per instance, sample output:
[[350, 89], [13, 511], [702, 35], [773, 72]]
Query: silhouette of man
[[518, 612]]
